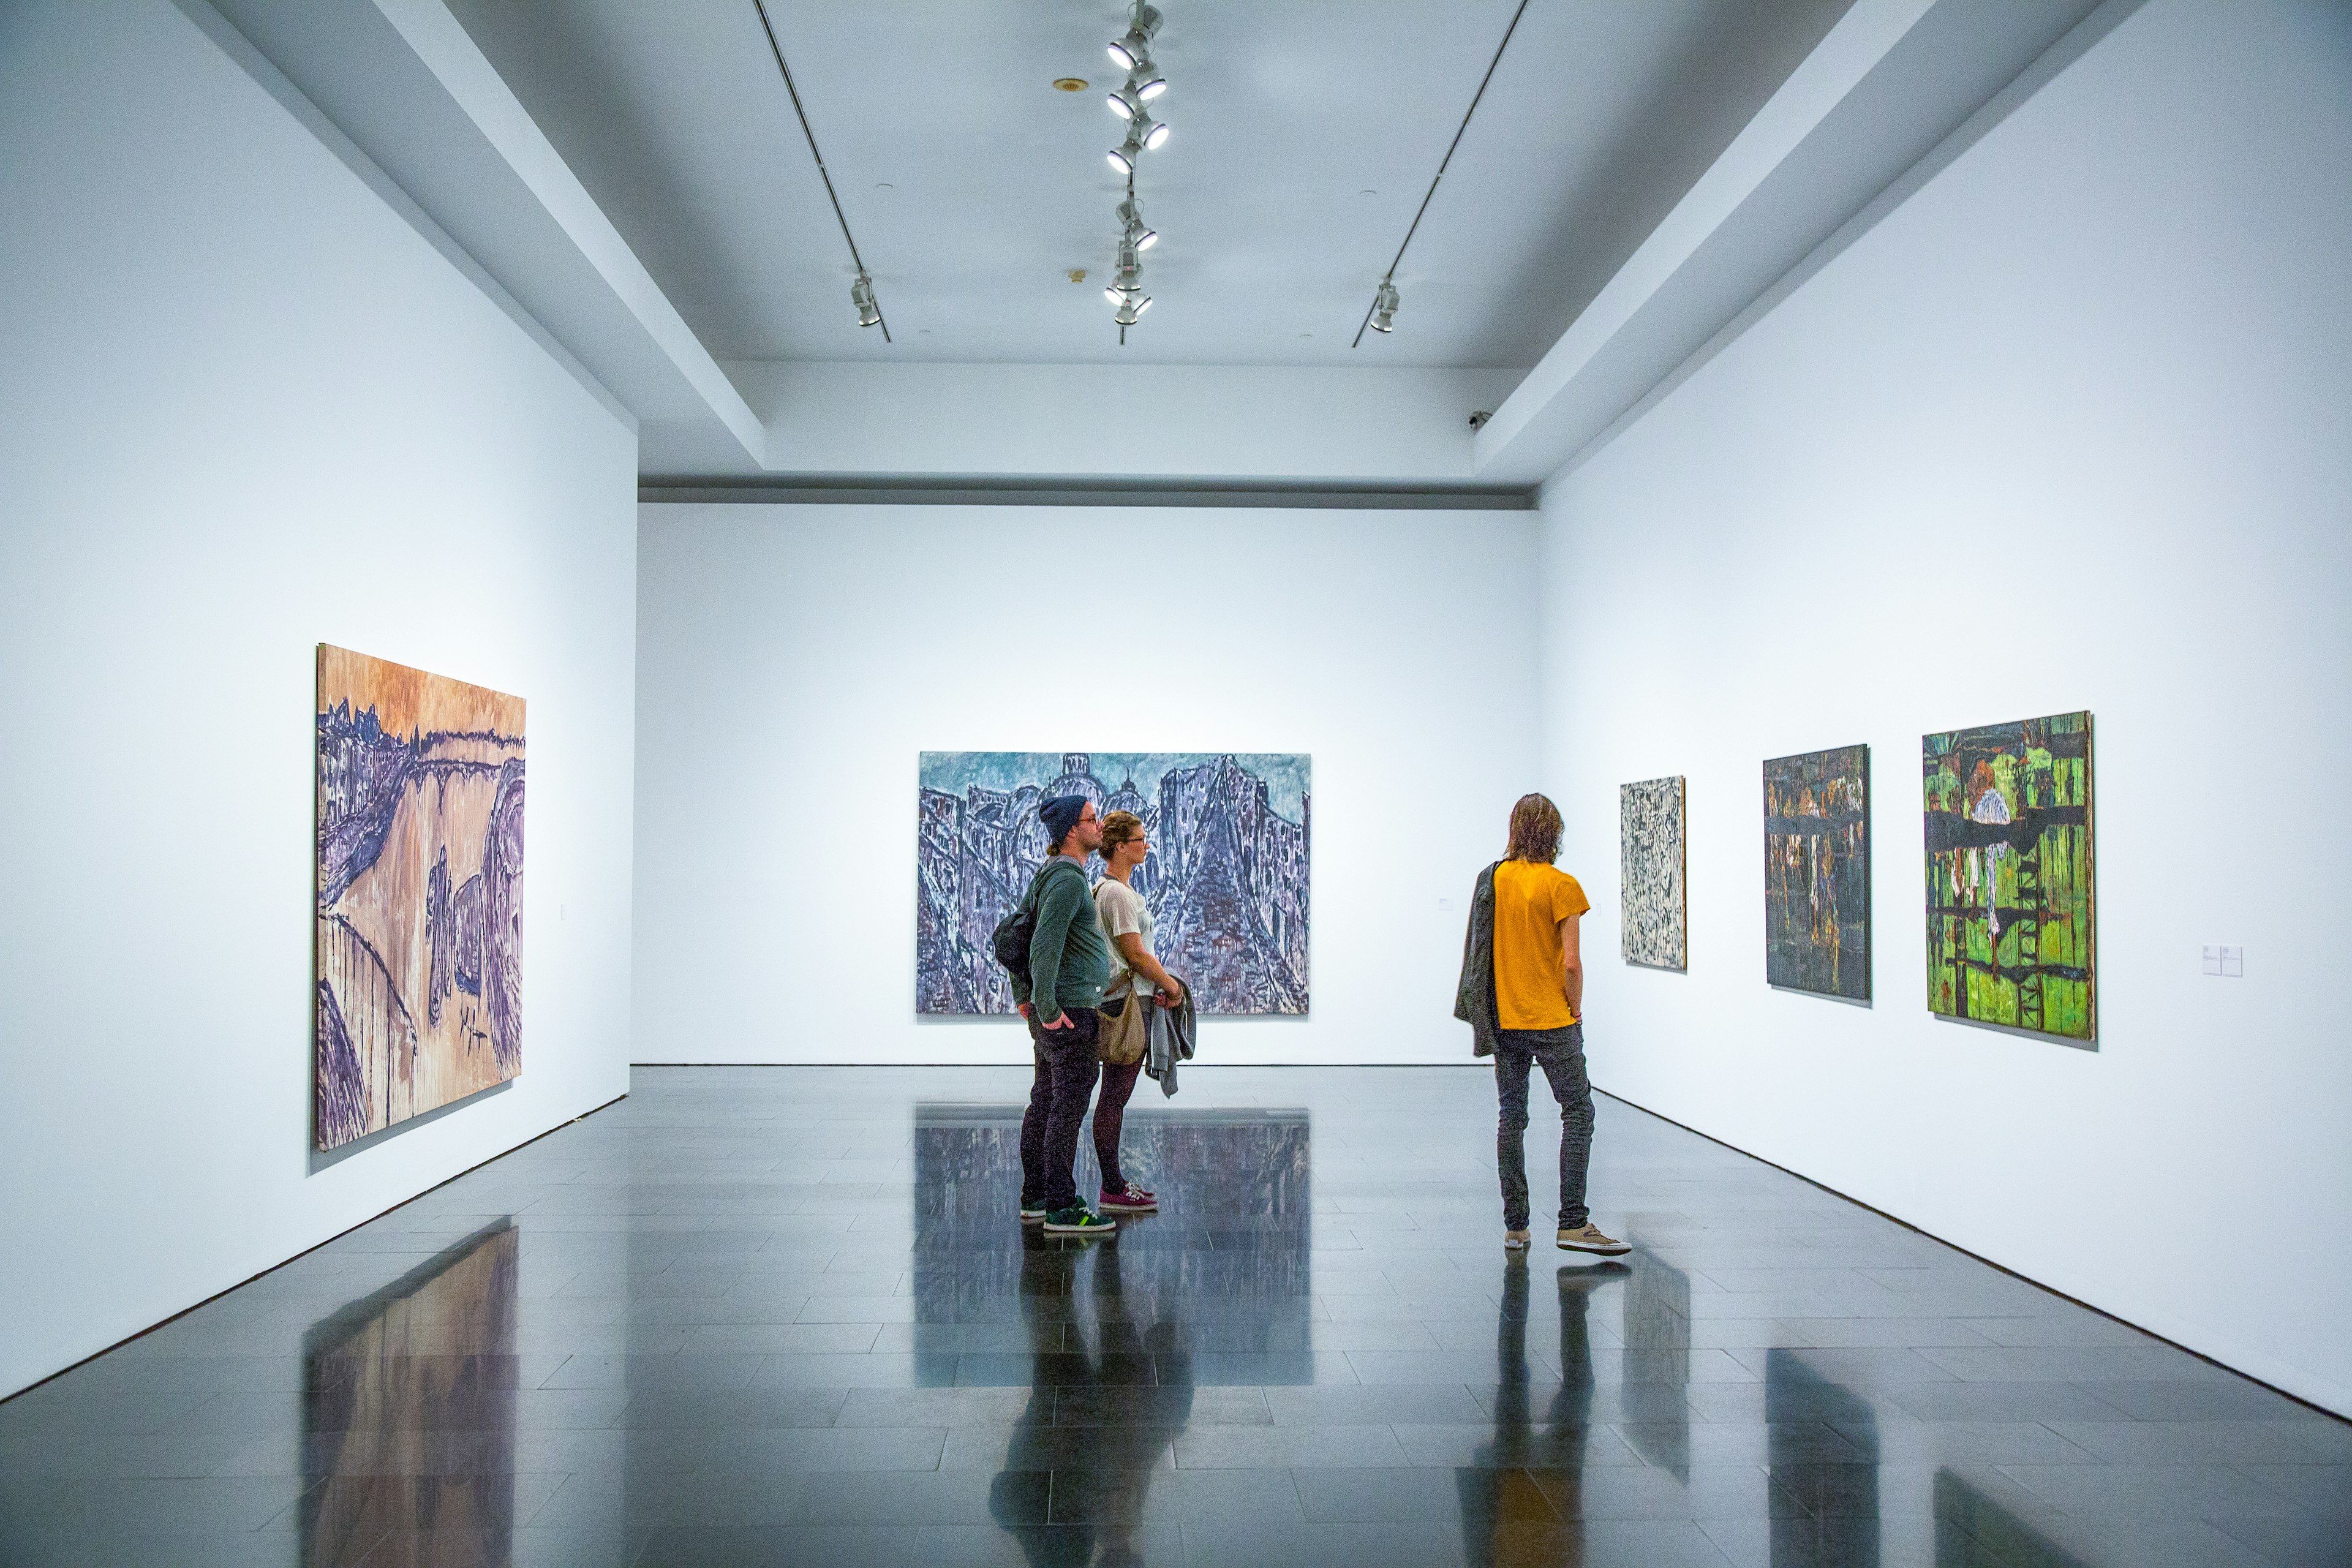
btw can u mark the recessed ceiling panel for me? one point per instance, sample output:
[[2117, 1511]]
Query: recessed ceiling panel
[[973, 187]]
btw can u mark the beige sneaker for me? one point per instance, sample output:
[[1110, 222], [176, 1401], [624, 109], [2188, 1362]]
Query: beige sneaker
[[1587, 1238], [1516, 1240]]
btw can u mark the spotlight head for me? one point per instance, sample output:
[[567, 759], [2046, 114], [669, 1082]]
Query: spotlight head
[[1130, 213], [861, 294], [1384, 308], [1135, 43], [1147, 82], [1143, 304], [1157, 137], [1130, 309], [1143, 239], [1122, 161], [1124, 102]]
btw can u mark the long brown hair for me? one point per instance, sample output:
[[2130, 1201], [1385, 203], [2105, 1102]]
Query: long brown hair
[[1535, 830]]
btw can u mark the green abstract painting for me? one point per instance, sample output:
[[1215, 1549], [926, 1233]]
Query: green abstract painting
[[2009, 919]]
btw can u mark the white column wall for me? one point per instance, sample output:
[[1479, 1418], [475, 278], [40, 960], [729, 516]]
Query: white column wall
[[244, 408], [793, 661], [2071, 428]]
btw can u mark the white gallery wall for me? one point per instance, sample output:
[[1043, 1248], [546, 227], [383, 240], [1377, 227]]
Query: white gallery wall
[[245, 408], [794, 661], [2071, 429]]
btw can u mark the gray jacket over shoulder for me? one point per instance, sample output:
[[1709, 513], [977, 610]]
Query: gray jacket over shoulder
[[1168, 1039], [1474, 998]]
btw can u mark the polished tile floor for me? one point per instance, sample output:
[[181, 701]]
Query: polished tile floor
[[754, 1316]]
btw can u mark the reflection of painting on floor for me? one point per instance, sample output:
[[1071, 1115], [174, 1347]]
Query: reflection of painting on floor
[[430, 1355], [1817, 872], [2010, 932], [1225, 881], [1650, 867], [419, 946]]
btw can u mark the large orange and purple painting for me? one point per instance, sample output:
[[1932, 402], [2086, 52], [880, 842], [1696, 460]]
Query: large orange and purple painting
[[419, 945]]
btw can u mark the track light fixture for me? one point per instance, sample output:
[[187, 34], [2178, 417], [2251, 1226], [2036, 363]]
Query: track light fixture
[[1130, 102], [861, 293], [1381, 316]]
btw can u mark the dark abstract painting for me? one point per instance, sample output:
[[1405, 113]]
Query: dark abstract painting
[[419, 946], [2010, 932], [1650, 870], [1817, 872], [1225, 881]]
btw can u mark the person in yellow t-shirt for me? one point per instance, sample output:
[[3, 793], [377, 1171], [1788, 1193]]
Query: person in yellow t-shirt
[[1540, 1014]]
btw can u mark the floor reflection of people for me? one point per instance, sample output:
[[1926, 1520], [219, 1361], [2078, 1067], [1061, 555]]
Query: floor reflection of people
[[1656, 1328], [1095, 1394], [1840, 1523], [1487, 1488], [425, 1355]]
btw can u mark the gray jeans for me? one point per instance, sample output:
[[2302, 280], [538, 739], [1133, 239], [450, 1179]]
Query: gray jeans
[[1561, 1054]]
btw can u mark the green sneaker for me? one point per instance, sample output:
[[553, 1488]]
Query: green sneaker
[[1079, 1220]]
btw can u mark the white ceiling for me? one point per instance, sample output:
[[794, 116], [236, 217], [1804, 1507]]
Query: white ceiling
[[1602, 115]]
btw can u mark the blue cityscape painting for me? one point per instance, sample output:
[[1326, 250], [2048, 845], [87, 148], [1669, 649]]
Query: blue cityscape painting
[[1225, 881]]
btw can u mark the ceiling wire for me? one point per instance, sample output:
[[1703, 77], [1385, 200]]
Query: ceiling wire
[[1391, 274], [778, 50]]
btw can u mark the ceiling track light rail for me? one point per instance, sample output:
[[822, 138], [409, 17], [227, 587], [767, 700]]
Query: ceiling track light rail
[[861, 292], [1145, 132], [1381, 315]]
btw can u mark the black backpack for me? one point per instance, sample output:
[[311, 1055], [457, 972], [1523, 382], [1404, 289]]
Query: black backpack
[[1019, 927]]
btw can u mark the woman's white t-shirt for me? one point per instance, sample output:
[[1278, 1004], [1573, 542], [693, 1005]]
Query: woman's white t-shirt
[[1120, 910]]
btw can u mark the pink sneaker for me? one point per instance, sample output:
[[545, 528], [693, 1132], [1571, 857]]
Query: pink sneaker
[[1128, 1199]]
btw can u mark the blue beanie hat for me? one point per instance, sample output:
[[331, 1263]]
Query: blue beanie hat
[[1060, 814]]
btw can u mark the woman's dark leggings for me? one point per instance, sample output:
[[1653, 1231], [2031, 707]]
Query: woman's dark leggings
[[1110, 1112]]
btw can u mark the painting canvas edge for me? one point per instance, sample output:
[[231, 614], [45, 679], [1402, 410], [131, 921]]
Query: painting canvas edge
[[507, 709], [1680, 784], [2089, 729], [955, 893], [1869, 966]]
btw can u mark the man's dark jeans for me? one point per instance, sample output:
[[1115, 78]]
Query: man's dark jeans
[[1057, 1104], [1561, 1053]]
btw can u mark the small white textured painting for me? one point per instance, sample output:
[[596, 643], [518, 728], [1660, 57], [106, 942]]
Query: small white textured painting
[[1650, 857]]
